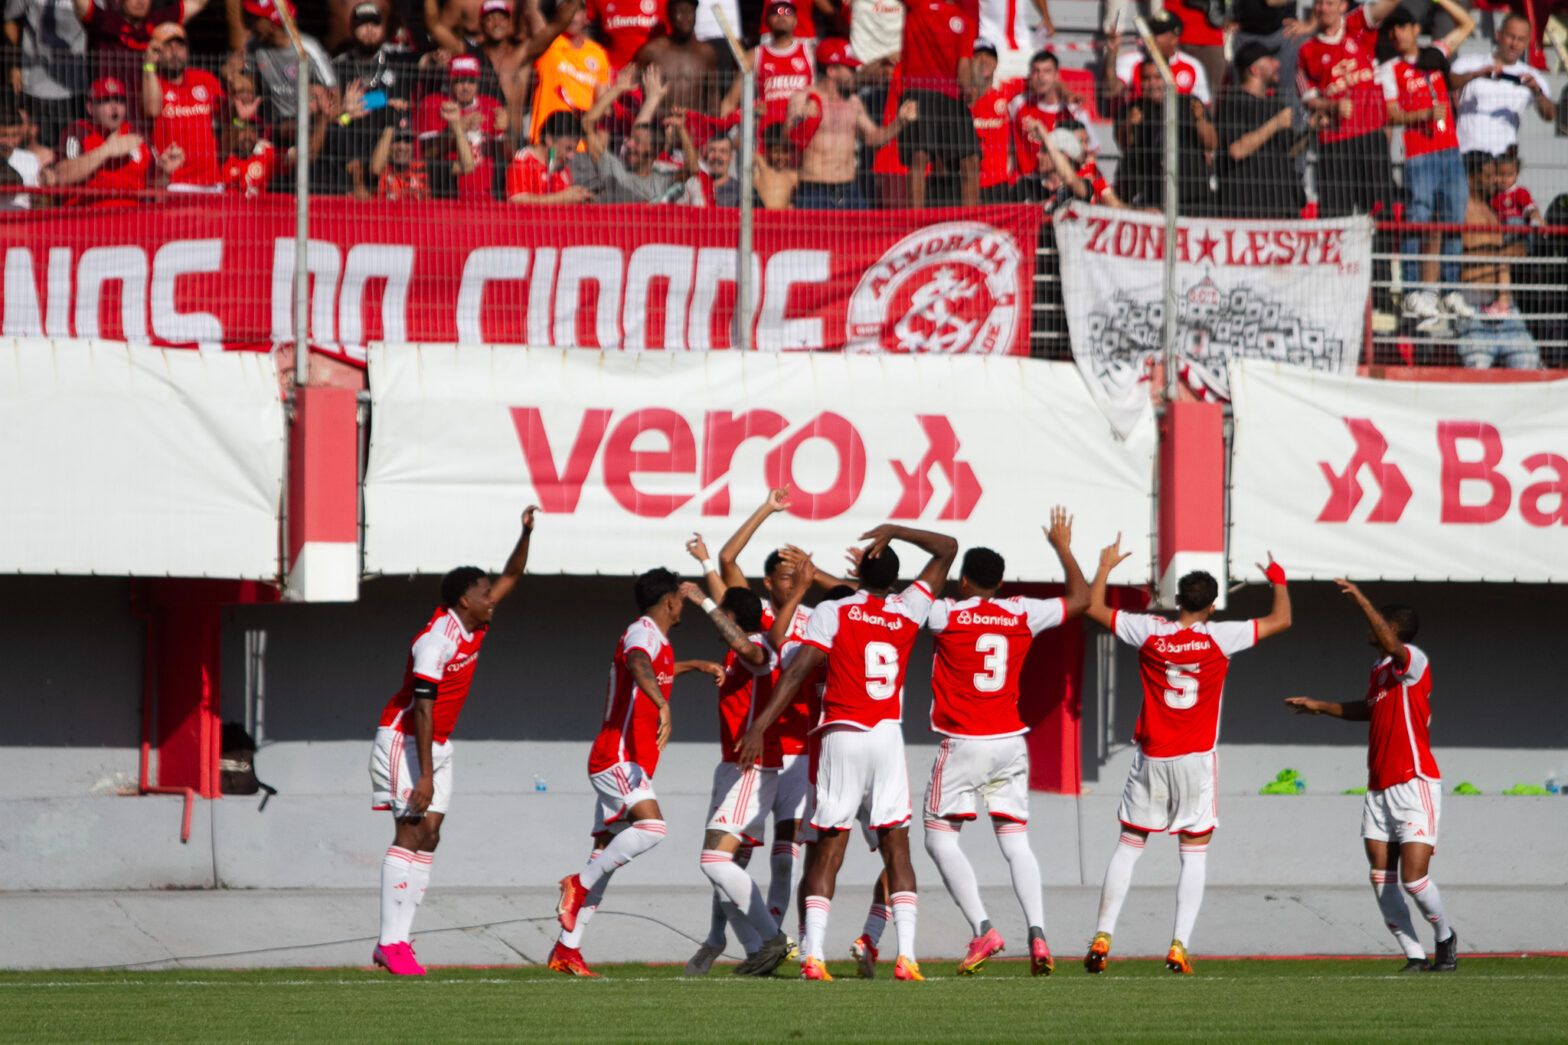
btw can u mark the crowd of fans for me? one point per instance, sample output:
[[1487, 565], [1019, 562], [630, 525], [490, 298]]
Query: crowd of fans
[[860, 103]]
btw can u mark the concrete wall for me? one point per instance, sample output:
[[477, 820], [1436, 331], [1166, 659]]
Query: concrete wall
[[74, 694]]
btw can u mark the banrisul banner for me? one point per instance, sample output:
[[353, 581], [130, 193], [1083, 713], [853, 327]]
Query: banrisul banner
[[629, 454], [1285, 291], [1368, 479]]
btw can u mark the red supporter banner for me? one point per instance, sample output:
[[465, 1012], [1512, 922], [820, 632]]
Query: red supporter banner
[[219, 274]]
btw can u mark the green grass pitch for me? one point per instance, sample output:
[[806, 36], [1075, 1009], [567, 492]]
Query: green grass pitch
[[1488, 999]]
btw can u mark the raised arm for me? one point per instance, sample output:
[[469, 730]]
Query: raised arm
[[805, 661], [517, 561], [728, 630], [640, 666], [1382, 632], [697, 548], [1464, 25], [1357, 711], [777, 500], [1060, 534], [1111, 556], [540, 42], [801, 565], [439, 25], [1278, 619], [942, 549]]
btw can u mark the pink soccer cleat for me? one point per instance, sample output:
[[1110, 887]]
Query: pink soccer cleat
[[813, 969], [408, 952], [907, 969], [397, 959], [981, 948], [1040, 961], [572, 897]]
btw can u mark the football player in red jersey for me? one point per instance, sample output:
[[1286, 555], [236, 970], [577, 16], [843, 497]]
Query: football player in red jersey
[[1404, 788], [411, 759], [864, 641], [981, 643], [1173, 783]]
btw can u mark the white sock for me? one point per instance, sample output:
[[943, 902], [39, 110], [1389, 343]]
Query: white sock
[[817, 910], [574, 939], [1424, 892], [905, 914], [957, 875], [1189, 889], [1396, 915], [395, 868], [1013, 838], [741, 891], [716, 924], [876, 920], [622, 850], [782, 884], [1118, 879]]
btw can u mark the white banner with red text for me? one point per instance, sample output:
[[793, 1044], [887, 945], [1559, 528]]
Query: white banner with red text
[[629, 454], [138, 461], [220, 274], [1286, 291], [1399, 480]]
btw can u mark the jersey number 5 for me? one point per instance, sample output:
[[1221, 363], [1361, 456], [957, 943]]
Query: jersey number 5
[[1182, 685], [994, 677], [881, 670]]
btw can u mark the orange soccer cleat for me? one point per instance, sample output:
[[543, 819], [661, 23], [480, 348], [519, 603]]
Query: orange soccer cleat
[[572, 896], [813, 969], [569, 960], [907, 969], [1099, 953], [1176, 959]]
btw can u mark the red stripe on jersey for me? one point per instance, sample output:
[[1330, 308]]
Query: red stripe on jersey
[[629, 731], [1398, 740], [451, 686]]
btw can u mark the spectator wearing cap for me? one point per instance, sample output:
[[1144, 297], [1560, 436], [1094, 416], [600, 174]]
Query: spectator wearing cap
[[993, 127], [1335, 73], [632, 173], [625, 25], [399, 172], [1415, 88], [184, 105], [376, 76], [1275, 25], [690, 66], [18, 167], [1254, 165], [119, 31], [939, 37], [47, 61], [782, 66], [101, 153], [270, 58], [1140, 177], [1045, 102], [1017, 29], [829, 122], [1203, 36], [507, 51], [1120, 75], [480, 121], [1494, 90]]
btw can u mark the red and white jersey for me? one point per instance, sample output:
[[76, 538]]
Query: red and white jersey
[[626, 25], [994, 132], [1183, 671], [787, 735], [1026, 109], [867, 639], [186, 120], [1344, 66], [249, 175], [937, 36], [630, 730], [446, 653], [474, 185], [781, 74], [124, 175], [1189, 75], [1416, 90], [1513, 205], [743, 691], [1400, 703], [980, 649]]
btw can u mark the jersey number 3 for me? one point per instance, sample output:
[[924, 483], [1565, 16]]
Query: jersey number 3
[[1181, 685], [881, 670], [994, 649]]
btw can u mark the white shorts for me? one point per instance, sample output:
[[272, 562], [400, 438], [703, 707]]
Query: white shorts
[[394, 770], [792, 799], [862, 768], [968, 771], [1404, 813], [1179, 795], [616, 790], [741, 801]]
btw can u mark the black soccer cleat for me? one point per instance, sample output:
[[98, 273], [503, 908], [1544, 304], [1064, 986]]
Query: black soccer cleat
[[768, 957], [1415, 965], [1447, 957]]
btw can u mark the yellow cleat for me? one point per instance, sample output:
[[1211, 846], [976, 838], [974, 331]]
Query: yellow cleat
[[907, 969], [1177, 961], [1099, 953], [813, 969]]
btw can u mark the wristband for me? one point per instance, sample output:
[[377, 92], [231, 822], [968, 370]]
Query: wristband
[[708, 567], [1275, 573], [149, 67], [345, 119], [708, 605]]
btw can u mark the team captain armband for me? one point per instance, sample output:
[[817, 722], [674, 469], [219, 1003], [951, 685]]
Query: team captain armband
[[424, 689], [1275, 573]]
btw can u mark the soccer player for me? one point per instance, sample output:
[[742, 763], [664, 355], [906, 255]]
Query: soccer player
[[864, 640], [411, 759], [1172, 783], [981, 643], [627, 821], [742, 793], [1404, 789]]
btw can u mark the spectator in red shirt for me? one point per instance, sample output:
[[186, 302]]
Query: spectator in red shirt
[[183, 104], [1335, 74], [1201, 38], [1415, 87], [100, 153], [993, 128], [1119, 74], [781, 65], [118, 31], [400, 173], [939, 38], [541, 172], [624, 26], [1512, 202], [1044, 101], [482, 121], [248, 157]]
